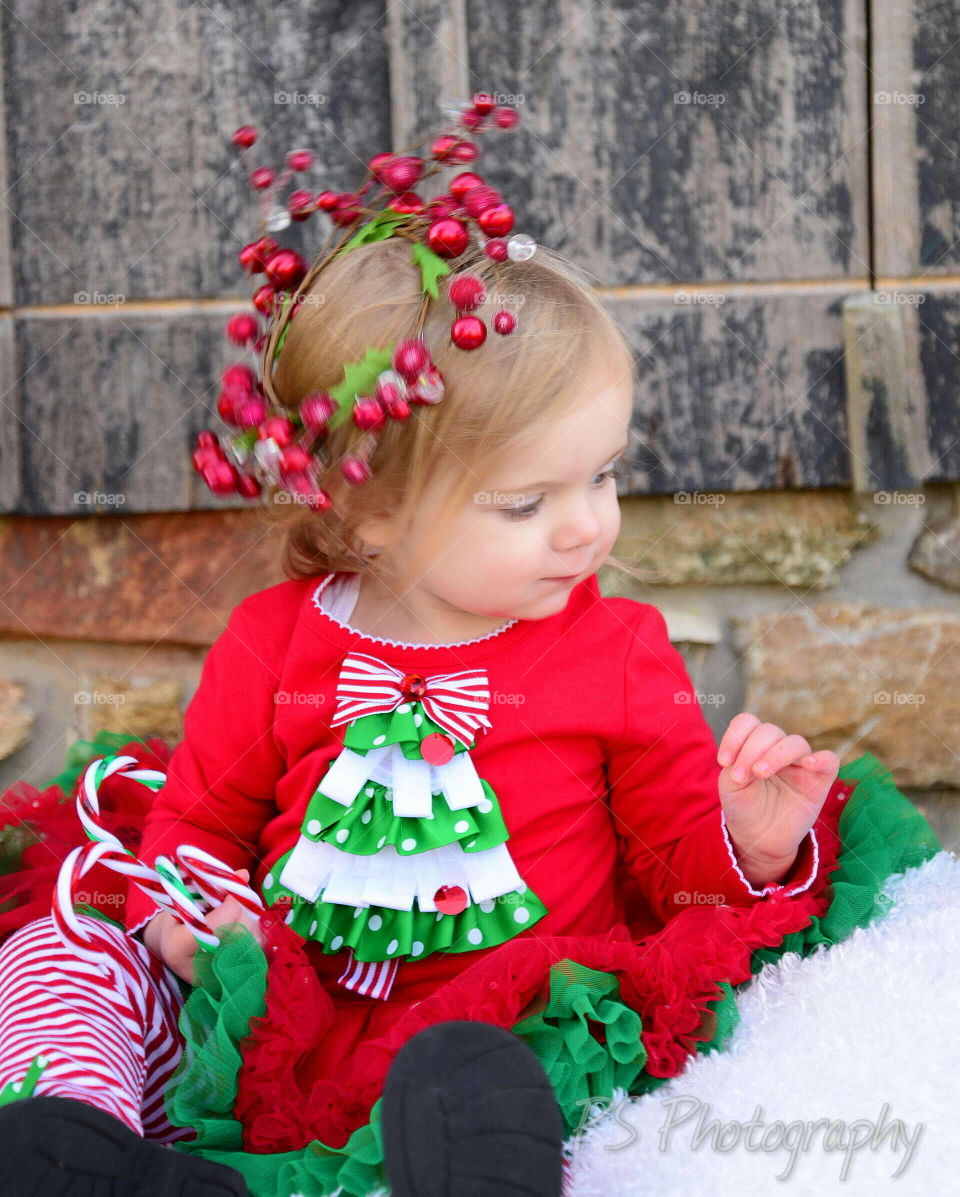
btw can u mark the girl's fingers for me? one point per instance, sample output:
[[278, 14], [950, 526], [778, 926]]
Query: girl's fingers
[[773, 755], [735, 737]]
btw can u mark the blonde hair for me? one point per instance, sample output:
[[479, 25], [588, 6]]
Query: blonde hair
[[494, 395]]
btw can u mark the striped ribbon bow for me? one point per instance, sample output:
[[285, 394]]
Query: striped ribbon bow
[[458, 702]]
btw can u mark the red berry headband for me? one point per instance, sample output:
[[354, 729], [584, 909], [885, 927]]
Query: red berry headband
[[271, 447]]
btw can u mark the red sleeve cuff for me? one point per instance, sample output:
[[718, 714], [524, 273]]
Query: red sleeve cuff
[[800, 877]]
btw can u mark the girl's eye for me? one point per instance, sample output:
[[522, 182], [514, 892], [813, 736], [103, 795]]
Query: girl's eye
[[521, 513]]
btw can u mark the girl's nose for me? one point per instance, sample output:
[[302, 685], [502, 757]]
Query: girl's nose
[[579, 527]]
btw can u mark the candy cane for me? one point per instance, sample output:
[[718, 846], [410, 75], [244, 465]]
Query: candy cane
[[164, 883]]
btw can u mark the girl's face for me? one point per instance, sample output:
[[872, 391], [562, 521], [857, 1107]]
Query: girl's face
[[531, 530]]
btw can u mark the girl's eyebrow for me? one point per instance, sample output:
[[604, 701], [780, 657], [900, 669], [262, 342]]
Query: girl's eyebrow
[[522, 490]]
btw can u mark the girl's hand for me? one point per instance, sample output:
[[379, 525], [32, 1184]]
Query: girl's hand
[[772, 788], [175, 945]]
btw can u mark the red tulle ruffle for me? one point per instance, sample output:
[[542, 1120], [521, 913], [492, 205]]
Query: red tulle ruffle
[[313, 1067], [47, 822]]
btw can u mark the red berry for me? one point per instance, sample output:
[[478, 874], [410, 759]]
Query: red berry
[[253, 256], [300, 204], [441, 206], [468, 332], [398, 409], [286, 269], [464, 152], [244, 137], [248, 486], [222, 477], [377, 163], [504, 322], [483, 102], [471, 119], [328, 200], [355, 470], [410, 358], [294, 459], [479, 199], [386, 393], [448, 237], [277, 428], [408, 202], [299, 159], [506, 118], [205, 454], [442, 146], [263, 299], [238, 378], [496, 221], [242, 329], [462, 183], [251, 411], [347, 211], [496, 250], [368, 414], [401, 173], [316, 410], [208, 440], [261, 178], [466, 292]]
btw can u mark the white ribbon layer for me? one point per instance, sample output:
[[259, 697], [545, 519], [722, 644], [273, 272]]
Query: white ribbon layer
[[391, 880], [413, 783]]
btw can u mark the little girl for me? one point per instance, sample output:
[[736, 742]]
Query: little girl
[[506, 867]]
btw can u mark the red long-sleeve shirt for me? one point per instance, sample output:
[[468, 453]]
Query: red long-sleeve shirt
[[598, 751]]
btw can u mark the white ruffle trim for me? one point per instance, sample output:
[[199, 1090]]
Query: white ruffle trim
[[412, 784], [389, 879]]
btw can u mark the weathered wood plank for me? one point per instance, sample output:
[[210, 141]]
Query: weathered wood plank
[[112, 405], [886, 415], [744, 394], [916, 170], [766, 180], [119, 134]]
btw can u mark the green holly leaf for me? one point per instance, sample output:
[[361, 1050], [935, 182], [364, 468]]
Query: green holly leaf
[[283, 336], [359, 378], [382, 226], [432, 267]]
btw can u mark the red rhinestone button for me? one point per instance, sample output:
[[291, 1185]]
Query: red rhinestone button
[[436, 749], [450, 899], [413, 686]]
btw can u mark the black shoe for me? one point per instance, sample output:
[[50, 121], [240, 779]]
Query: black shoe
[[468, 1110], [54, 1146]]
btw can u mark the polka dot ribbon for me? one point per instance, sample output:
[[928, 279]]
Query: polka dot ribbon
[[166, 883], [457, 701]]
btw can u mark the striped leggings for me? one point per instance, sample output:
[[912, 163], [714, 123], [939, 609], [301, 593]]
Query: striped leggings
[[108, 1033]]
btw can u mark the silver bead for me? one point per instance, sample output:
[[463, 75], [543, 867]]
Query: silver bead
[[395, 379], [277, 219], [267, 454], [520, 247]]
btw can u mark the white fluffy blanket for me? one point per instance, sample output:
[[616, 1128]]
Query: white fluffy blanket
[[842, 1076]]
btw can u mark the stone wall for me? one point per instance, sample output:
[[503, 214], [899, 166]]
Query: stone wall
[[765, 197]]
